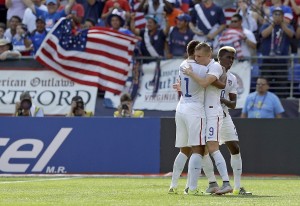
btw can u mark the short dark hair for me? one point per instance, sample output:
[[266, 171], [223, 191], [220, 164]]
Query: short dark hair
[[238, 16], [263, 77], [190, 49], [92, 21]]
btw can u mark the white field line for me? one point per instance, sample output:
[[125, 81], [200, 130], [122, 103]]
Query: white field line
[[38, 180]]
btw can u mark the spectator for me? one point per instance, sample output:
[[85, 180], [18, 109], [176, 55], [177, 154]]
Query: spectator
[[242, 39], [244, 9], [171, 12], [155, 8], [110, 5], [39, 34], [208, 21], [262, 103], [125, 108], [2, 30], [116, 21], [6, 50], [88, 24], [21, 41], [153, 38], [15, 8], [276, 37], [12, 30], [93, 9], [26, 108], [77, 13], [52, 15], [287, 11], [77, 108], [179, 36], [29, 18], [295, 5]]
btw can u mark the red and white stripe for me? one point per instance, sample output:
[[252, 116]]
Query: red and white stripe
[[104, 63], [232, 37], [140, 21], [229, 12]]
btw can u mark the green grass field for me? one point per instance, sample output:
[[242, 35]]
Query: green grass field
[[139, 191]]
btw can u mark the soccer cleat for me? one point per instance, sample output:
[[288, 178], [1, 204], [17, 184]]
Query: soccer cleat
[[224, 189], [241, 191], [212, 188], [186, 191], [173, 190], [194, 192]]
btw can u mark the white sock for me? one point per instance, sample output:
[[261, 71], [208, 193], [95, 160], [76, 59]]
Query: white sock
[[177, 168], [187, 181], [194, 170], [236, 164], [221, 165], [208, 168]]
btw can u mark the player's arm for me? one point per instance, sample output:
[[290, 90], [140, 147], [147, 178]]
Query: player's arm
[[231, 103], [203, 82], [219, 84]]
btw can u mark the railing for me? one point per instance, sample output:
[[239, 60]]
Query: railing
[[283, 72]]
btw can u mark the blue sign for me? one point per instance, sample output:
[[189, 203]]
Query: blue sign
[[79, 145]]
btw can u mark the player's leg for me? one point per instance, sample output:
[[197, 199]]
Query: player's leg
[[229, 136], [181, 142], [178, 167], [208, 168], [213, 137], [197, 142]]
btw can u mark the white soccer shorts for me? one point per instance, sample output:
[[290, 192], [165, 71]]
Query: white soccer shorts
[[213, 128], [228, 131], [190, 130]]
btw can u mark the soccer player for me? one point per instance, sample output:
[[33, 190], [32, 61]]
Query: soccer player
[[228, 133], [213, 108], [190, 123]]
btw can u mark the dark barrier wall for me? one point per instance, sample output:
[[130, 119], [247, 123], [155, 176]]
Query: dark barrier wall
[[79, 145], [268, 146]]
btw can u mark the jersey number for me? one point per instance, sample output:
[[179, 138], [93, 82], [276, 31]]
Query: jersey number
[[187, 87], [223, 94]]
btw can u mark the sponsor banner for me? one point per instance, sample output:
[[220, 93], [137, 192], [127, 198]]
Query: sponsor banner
[[48, 90], [166, 98], [242, 71], [79, 145]]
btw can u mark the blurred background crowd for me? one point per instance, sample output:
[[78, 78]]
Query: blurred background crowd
[[264, 28]]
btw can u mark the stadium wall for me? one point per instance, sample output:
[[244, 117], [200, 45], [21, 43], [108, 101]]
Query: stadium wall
[[268, 146], [133, 146]]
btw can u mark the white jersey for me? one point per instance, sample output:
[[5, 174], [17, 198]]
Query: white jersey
[[231, 87], [192, 99], [212, 103]]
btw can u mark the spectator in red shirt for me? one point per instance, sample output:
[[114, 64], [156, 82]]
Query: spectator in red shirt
[[110, 5]]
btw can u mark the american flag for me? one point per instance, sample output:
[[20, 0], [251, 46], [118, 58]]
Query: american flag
[[140, 21], [97, 57]]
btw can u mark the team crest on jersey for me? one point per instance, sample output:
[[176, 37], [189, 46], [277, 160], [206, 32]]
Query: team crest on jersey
[[212, 13], [229, 82]]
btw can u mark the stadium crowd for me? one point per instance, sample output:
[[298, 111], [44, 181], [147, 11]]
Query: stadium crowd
[[164, 27]]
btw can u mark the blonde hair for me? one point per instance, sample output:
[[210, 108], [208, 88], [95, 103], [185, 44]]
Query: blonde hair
[[226, 49]]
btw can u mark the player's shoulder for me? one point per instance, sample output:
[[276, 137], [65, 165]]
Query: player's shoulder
[[231, 75], [214, 65]]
